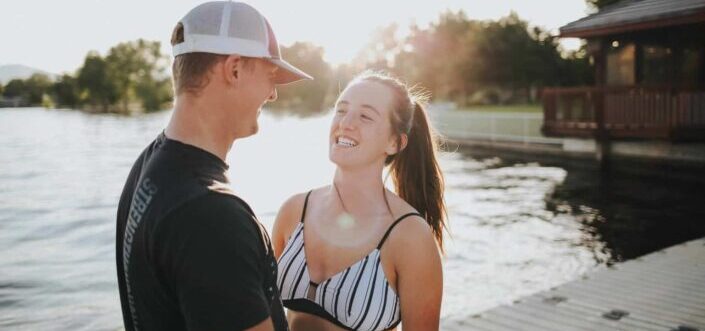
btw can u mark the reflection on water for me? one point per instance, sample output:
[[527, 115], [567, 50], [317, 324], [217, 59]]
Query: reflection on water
[[519, 224], [639, 207]]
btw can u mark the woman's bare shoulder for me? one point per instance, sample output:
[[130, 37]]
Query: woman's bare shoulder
[[410, 231], [292, 209]]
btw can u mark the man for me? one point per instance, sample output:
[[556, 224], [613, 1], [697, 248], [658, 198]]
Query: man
[[190, 254]]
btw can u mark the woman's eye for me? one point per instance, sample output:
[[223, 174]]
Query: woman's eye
[[340, 111], [365, 117]]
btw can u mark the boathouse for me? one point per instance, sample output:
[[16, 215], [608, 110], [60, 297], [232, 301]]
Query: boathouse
[[649, 62]]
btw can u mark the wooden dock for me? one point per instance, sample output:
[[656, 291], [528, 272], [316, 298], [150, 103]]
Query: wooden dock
[[662, 291]]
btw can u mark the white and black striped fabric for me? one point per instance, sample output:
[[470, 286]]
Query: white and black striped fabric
[[357, 298]]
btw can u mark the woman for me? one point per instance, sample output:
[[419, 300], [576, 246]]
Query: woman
[[367, 258]]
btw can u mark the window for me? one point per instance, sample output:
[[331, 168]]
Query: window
[[688, 67], [655, 64], [620, 64]]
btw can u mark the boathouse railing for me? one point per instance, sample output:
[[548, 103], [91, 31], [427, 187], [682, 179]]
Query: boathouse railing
[[625, 112]]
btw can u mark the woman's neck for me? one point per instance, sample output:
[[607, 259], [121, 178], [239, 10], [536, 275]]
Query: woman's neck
[[361, 190]]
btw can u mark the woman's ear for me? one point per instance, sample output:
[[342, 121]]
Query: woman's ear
[[397, 145]]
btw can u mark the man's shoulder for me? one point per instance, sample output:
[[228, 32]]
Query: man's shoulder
[[215, 207], [218, 218]]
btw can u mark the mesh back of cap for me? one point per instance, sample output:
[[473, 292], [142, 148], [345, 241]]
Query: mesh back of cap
[[246, 23], [221, 27], [205, 19]]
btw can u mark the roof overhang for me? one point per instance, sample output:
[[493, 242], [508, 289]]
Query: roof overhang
[[630, 27], [636, 15]]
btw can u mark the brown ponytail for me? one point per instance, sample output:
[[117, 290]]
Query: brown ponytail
[[417, 176], [415, 170]]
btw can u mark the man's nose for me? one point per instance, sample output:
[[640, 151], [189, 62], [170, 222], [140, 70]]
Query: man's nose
[[273, 95]]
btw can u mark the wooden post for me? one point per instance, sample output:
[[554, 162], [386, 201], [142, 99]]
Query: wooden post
[[548, 99], [598, 49], [603, 148]]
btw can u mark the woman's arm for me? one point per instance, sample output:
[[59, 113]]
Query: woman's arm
[[284, 224], [419, 275]]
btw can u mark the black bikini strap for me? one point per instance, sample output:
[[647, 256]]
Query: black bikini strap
[[386, 234], [303, 214]]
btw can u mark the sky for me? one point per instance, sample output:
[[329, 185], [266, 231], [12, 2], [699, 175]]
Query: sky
[[55, 35]]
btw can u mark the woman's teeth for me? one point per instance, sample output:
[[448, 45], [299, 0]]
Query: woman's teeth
[[345, 142]]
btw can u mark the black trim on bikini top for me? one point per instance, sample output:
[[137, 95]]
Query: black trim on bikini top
[[309, 307], [386, 234]]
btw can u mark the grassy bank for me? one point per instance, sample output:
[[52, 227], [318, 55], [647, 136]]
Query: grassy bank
[[530, 108]]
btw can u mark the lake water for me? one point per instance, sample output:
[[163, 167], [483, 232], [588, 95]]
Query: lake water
[[518, 224]]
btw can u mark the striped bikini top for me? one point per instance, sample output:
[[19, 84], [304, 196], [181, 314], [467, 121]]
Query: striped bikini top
[[357, 298]]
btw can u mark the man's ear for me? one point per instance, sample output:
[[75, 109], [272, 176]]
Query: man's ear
[[232, 69], [397, 145]]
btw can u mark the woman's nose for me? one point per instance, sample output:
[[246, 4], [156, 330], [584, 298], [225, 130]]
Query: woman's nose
[[348, 120]]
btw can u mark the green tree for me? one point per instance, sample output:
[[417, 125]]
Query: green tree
[[32, 90], [309, 96], [96, 86], [66, 92], [599, 4], [458, 59], [1, 89], [137, 69], [36, 86], [15, 88], [340, 76], [439, 57], [576, 68], [154, 93], [380, 51], [515, 57]]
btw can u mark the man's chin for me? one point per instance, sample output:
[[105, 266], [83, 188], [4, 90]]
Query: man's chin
[[252, 131], [254, 128]]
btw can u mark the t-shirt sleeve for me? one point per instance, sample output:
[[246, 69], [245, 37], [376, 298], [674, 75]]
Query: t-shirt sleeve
[[212, 257]]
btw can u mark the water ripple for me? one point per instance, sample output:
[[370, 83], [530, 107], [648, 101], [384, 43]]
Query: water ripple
[[516, 226]]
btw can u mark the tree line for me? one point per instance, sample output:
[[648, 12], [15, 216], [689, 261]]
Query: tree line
[[455, 58], [131, 77]]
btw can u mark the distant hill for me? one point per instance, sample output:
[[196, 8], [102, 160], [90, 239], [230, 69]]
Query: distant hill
[[9, 72]]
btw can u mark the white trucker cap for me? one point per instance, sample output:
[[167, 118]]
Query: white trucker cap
[[226, 27]]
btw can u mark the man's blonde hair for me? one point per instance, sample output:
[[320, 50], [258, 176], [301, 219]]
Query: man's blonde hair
[[190, 70]]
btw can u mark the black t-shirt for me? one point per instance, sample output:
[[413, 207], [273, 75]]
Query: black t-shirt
[[190, 254]]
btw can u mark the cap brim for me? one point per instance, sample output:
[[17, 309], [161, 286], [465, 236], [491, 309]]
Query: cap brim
[[288, 73]]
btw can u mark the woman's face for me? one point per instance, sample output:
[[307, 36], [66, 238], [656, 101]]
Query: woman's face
[[361, 133]]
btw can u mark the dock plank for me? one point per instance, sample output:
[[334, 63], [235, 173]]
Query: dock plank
[[592, 315], [661, 291], [603, 299], [632, 298]]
